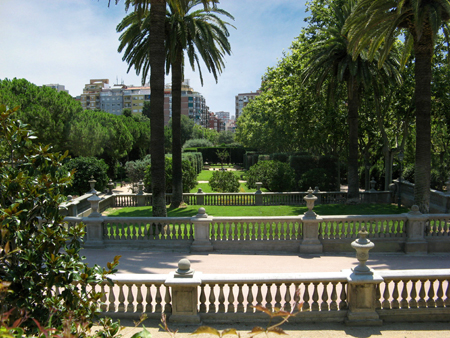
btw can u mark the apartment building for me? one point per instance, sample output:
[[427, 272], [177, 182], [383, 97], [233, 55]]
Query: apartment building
[[111, 100], [90, 99], [223, 115], [242, 100], [57, 87], [215, 123]]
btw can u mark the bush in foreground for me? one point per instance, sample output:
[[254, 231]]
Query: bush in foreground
[[224, 181]]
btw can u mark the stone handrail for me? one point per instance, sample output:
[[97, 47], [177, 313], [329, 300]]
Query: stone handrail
[[398, 295]]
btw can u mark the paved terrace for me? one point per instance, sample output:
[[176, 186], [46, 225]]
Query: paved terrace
[[165, 262]]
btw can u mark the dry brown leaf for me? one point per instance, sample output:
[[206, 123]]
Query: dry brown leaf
[[277, 330], [206, 329]]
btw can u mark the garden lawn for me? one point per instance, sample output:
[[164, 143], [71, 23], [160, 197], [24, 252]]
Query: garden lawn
[[278, 210], [205, 175]]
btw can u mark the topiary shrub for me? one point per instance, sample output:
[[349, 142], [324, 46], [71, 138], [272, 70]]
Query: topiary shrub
[[224, 181], [198, 142], [188, 172], [136, 169], [274, 176], [85, 168]]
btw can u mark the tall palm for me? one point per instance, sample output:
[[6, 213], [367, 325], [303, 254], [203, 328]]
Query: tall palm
[[376, 23], [156, 52], [201, 33], [331, 63]]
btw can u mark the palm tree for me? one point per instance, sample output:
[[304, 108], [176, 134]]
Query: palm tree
[[200, 32], [330, 61], [377, 23]]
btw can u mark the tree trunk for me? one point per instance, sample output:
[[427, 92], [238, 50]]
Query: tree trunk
[[352, 120], [177, 174], [157, 57], [423, 50]]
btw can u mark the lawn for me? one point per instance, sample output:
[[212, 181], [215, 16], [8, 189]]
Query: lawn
[[278, 210], [205, 175]]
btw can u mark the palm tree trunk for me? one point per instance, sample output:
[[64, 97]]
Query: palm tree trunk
[[177, 175], [423, 50], [352, 120], [157, 56]]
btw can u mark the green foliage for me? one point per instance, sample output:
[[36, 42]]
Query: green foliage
[[136, 169], [47, 111], [274, 176], [201, 132], [198, 142], [187, 125], [188, 171], [85, 168], [224, 181], [223, 155], [226, 137], [38, 251], [196, 160], [210, 153]]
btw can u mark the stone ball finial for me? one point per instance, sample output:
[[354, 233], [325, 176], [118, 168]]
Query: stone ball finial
[[201, 213], [184, 268]]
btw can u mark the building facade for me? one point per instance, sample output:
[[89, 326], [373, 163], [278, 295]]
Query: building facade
[[57, 87], [241, 100], [90, 99]]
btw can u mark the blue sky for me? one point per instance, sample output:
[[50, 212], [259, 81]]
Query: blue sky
[[71, 41]]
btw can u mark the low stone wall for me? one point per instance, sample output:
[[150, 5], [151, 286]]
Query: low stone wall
[[439, 201]]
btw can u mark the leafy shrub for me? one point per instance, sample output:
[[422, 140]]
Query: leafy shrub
[[136, 169], [38, 252], [85, 168], [274, 176], [224, 181], [196, 160], [188, 172], [198, 142]]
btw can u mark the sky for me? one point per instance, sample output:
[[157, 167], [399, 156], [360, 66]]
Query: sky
[[70, 42]]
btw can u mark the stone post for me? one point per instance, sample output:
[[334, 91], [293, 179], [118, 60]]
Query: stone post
[[200, 195], [94, 225], [140, 195], [110, 187], [362, 285], [311, 221], [373, 183], [415, 232], [184, 283], [92, 185], [201, 223], [258, 194]]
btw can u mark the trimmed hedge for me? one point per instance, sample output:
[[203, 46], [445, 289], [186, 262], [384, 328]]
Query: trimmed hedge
[[210, 153]]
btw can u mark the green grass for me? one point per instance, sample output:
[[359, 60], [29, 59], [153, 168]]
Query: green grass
[[206, 188], [280, 210], [206, 175]]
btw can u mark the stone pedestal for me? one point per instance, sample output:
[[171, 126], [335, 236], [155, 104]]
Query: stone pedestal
[[415, 232], [94, 232], [184, 284], [201, 223], [361, 293], [200, 195], [310, 242], [258, 194], [362, 286]]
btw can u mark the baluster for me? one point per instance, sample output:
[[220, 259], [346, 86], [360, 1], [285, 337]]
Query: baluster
[[121, 307], [103, 306], [141, 231], [447, 295], [377, 297], [315, 298], [430, 300], [230, 299], [259, 297], [306, 298], [264, 229], [240, 298], [139, 299], [333, 304], [248, 231], [421, 303], [256, 233], [111, 299], [250, 299], [287, 297], [394, 303], [440, 293], [202, 306], [121, 228], [148, 299], [385, 304], [269, 297], [226, 231], [158, 299], [404, 302], [212, 299], [343, 298], [412, 301], [168, 301], [278, 296], [324, 303], [243, 231], [130, 298]]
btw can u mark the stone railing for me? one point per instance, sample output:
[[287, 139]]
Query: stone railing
[[439, 201], [308, 233], [358, 296]]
